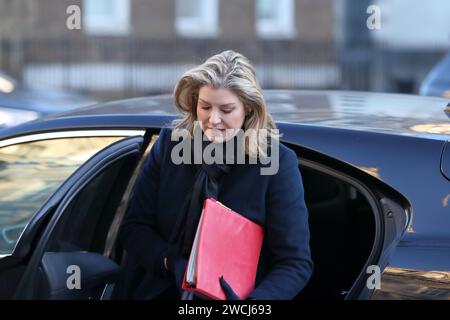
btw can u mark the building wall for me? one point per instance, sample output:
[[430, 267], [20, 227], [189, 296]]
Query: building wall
[[152, 44], [315, 21], [237, 19], [47, 18], [152, 33], [14, 18], [153, 19]]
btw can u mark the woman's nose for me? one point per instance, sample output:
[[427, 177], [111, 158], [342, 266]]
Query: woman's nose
[[214, 118]]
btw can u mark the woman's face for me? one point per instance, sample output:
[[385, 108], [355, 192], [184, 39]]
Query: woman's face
[[220, 113]]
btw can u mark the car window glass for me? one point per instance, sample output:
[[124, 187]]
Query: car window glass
[[85, 222], [31, 172]]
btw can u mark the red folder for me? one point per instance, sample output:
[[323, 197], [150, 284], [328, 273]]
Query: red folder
[[228, 244]]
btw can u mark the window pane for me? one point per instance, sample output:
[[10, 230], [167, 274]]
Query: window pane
[[31, 172], [197, 18], [275, 19], [106, 17], [99, 7], [188, 8], [266, 9]]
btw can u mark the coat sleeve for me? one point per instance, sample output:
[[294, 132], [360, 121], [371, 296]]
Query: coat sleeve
[[287, 234], [139, 235]]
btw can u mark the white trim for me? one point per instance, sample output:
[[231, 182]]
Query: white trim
[[281, 26], [70, 134], [203, 25], [117, 23]]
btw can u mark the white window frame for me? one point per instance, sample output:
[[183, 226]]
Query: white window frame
[[282, 26], [117, 24], [204, 25]]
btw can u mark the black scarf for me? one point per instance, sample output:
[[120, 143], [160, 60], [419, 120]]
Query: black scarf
[[206, 184]]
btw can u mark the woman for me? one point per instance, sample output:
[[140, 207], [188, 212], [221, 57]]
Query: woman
[[220, 99]]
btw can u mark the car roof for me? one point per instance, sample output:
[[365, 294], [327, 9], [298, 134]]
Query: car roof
[[378, 112]]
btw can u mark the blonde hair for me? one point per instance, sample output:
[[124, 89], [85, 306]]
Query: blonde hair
[[233, 71]]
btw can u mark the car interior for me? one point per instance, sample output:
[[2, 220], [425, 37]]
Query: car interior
[[341, 225], [342, 231]]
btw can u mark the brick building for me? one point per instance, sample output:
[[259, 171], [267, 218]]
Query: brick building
[[134, 47]]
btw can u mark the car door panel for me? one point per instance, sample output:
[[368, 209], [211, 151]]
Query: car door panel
[[77, 275]]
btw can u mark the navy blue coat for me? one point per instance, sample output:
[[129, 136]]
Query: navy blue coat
[[273, 201]]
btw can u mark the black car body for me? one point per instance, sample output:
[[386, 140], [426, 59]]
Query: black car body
[[376, 171]]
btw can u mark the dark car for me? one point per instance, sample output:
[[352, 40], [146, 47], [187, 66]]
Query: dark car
[[20, 104], [375, 167], [437, 82]]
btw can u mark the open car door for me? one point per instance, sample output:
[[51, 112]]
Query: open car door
[[356, 222], [68, 261]]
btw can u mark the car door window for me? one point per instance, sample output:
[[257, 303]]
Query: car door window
[[30, 172], [85, 222]]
